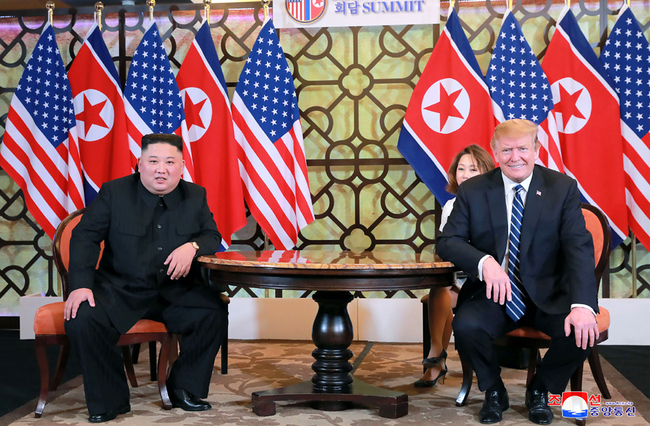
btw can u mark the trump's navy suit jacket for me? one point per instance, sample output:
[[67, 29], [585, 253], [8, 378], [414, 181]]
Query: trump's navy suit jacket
[[137, 240], [556, 250]]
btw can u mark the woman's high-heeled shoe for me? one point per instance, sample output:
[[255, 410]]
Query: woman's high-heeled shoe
[[421, 383], [435, 361], [430, 363]]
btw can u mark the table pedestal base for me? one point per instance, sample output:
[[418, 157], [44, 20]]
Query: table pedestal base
[[391, 404], [333, 388]]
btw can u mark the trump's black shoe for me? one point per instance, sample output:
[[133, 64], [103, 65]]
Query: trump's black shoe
[[183, 399], [538, 409], [496, 402], [109, 415]]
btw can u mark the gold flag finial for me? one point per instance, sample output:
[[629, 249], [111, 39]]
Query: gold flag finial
[[151, 4], [265, 4], [206, 9], [510, 5], [50, 11], [99, 7]]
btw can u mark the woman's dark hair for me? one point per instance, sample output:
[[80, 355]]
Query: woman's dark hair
[[483, 159]]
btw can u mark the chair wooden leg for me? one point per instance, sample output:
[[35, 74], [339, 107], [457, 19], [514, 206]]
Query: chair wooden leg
[[41, 357], [135, 352], [597, 372], [152, 360], [173, 349], [224, 353], [426, 333], [163, 361], [62, 362], [128, 366], [468, 374], [532, 365]]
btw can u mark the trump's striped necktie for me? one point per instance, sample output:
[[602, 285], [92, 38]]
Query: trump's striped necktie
[[516, 307]]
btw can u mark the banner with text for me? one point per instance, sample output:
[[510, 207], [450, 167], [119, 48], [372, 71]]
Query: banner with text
[[353, 13]]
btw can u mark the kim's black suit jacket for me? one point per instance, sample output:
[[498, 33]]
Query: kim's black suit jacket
[[131, 275], [556, 250]]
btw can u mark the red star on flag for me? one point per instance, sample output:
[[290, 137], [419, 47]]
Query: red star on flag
[[91, 114], [192, 112], [445, 106], [568, 105]]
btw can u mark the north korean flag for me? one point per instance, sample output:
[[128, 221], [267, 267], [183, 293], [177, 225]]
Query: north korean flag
[[210, 134], [450, 108], [99, 110], [588, 119]]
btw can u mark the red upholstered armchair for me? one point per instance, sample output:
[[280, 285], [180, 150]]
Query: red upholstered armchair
[[527, 337], [49, 328]]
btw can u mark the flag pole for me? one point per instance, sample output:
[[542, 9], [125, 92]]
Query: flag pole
[[633, 261], [151, 4], [99, 6], [206, 9], [265, 5], [50, 11]]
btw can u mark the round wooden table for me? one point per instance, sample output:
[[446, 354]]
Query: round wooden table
[[332, 275]]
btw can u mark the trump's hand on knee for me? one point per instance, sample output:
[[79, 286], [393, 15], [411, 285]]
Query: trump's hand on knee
[[497, 283]]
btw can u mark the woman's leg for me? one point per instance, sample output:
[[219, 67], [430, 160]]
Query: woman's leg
[[440, 317]]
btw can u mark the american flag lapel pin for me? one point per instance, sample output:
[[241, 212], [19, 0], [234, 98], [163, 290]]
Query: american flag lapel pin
[[538, 193]]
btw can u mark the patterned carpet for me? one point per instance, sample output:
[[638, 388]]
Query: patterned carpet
[[263, 365]]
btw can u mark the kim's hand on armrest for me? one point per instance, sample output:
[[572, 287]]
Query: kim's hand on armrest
[[76, 298]]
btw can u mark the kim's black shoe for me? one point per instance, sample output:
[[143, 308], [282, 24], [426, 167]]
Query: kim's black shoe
[[109, 415], [496, 402], [538, 409], [182, 399]]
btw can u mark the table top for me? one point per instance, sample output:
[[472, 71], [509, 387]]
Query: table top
[[329, 270], [326, 259]]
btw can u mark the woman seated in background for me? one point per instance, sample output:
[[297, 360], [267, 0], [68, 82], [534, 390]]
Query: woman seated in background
[[470, 162]]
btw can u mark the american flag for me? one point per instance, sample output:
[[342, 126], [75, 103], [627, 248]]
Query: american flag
[[297, 8], [272, 156], [587, 114], [152, 100], [40, 150], [626, 57], [210, 134], [520, 89], [449, 109]]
